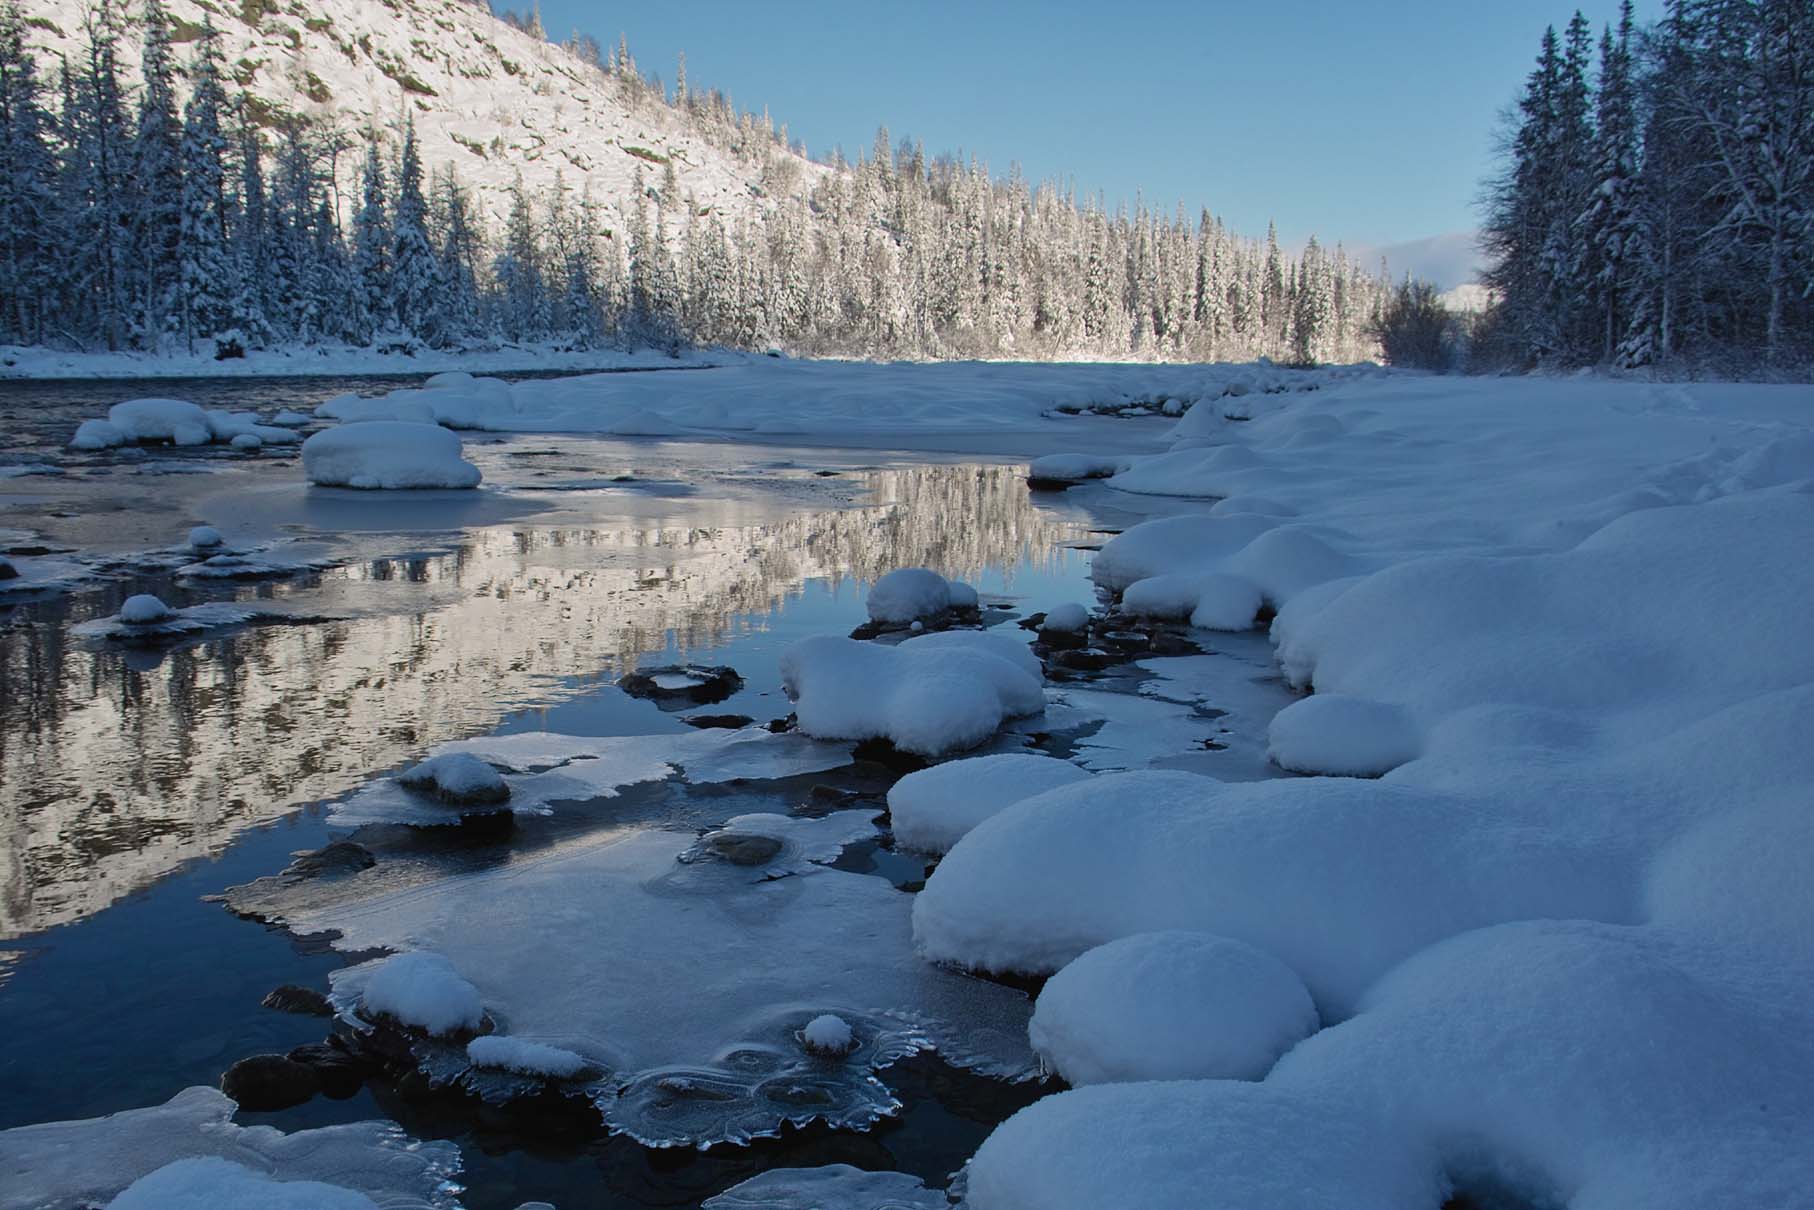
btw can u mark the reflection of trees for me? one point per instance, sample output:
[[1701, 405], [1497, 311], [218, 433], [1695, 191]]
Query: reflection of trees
[[109, 776]]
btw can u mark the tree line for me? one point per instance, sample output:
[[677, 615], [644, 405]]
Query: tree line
[[166, 214], [1656, 207]]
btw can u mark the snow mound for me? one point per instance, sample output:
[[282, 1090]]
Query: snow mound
[[423, 990], [525, 1058], [205, 537], [728, 966], [143, 610], [84, 1163], [933, 808], [1069, 618], [1170, 1006], [248, 441], [827, 1034], [385, 454], [1338, 878], [1343, 736], [1193, 1144], [458, 779], [287, 419], [930, 695], [174, 420], [908, 594], [833, 1187], [355, 409], [211, 1182], [1171, 544], [97, 435], [641, 422]]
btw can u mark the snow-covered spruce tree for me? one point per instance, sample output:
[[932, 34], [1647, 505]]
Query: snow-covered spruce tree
[[31, 235], [156, 183], [204, 269], [522, 307], [413, 272], [1607, 230], [95, 184], [372, 242]]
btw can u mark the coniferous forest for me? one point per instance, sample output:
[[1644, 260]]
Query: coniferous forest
[[175, 215], [1657, 201]]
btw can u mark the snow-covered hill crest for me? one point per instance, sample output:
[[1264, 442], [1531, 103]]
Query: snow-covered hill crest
[[487, 98]]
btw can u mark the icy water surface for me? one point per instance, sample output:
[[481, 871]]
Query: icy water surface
[[135, 783]]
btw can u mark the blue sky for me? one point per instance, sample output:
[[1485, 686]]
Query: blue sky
[[1367, 123]]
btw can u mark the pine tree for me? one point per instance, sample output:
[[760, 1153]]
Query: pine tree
[[96, 182], [413, 272], [1607, 229], [372, 247], [30, 221], [204, 276], [157, 185]]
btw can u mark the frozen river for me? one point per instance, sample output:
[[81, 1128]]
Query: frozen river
[[137, 785]]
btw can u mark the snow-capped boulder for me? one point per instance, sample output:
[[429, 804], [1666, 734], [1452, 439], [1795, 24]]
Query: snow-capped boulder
[[97, 435], [930, 695], [385, 454], [933, 808], [909, 594], [827, 1034], [458, 779], [206, 537], [1059, 471], [174, 420], [144, 610], [1342, 736], [1067, 619], [423, 990], [1170, 1006], [503, 1053]]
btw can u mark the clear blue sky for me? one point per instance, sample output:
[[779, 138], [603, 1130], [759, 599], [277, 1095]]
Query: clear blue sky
[[1368, 123]]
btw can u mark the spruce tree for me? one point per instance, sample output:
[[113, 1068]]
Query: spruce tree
[[204, 273]]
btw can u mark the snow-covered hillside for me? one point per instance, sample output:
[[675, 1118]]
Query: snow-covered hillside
[[487, 98]]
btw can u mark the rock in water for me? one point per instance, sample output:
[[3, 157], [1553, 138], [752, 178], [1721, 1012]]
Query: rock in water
[[267, 1082]]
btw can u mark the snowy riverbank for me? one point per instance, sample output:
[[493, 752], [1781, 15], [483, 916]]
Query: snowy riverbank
[[315, 360]]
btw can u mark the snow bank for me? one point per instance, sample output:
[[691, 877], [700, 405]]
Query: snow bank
[[424, 990], [85, 1163], [1170, 1006], [1194, 1144], [933, 808], [387, 454], [930, 695], [525, 1058], [909, 594], [1343, 736]]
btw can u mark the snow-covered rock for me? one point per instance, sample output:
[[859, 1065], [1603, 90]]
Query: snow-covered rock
[[827, 1034], [459, 779], [205, 537], [1061, 470], [933, 694], [526, 1058], [424, 990], [1344, 736], [908, 594], [1170, 1006], [174, 420], [1069, 618], [143, 610], [386, 455], [1192, 1144], [98, 435], [933, 808]]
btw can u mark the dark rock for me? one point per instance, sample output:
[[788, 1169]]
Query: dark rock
[[305, 1001], [827, 793], [730, 722], [884, 753], [264, 1083], [7, 570], [1087, 660], [340, 1072], [742, 849], [1040, 484], [1032, 621], [704, 685], [781, 726], [337, 857], [826, 474]]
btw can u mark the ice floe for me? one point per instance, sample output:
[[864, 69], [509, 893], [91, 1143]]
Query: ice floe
[[833, 1187], [85, 1163]]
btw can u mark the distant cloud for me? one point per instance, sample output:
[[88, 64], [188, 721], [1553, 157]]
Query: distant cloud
[[1447, 260]]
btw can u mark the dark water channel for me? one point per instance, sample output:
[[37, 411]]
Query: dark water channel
[[133, 785]]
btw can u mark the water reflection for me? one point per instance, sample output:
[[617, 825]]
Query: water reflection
[[111, 774]]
